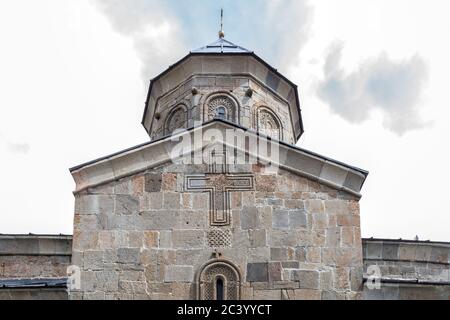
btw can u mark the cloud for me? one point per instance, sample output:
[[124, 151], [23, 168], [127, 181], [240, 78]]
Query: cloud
[[15, 148], [19, 148], [163, 31], [394, 87], [155, 33]]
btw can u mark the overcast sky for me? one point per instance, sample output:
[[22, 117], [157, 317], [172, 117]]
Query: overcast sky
[[372, 77]]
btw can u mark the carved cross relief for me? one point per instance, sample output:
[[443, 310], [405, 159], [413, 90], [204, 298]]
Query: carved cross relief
[[219, 185]]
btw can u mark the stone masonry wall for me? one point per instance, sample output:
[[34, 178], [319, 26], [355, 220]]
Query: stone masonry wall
[[234, 87], [145, 237], [407, 269], [30, 256]]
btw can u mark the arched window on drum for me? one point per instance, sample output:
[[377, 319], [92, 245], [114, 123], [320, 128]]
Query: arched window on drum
[[268, 124], [177, 119]]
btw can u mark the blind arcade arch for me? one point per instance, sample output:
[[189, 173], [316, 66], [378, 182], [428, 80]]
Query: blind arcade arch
[[219, 280]]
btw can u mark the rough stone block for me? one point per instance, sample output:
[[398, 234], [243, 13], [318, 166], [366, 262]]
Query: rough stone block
[[135, 239], [257, 272], [94, 296], [194, 219], [334, 295], [347, 237], [319, 221], [169, 182], [298, 219], [258, 254], [309, 279], [188, 239], [405, 252], [250, 218], [278, 254], [333, 238], [326, 280], [342, 278], [266, 183], [107, 281], [200, 201], [151, 239], [161, 219], [423, 253], [294, 204], [94, 204], [93, 260], [307, 294], [275, 271], [106, 239], [284, 238], [172, 200], [128, 255], [440, 255], [81, 222], [337, 207], [179, 274], [390, 251], [85, 240], [87, 281], [347, 220], [133, 287], [126, 204], [280, 219], [131, 275], [165, 239], [356, 279], [151, 201], [313, 255], [153, 182], [290, 264], [123, 187], [374, 251], [314, 206], [267, 294], [257, 238], [138, 185]]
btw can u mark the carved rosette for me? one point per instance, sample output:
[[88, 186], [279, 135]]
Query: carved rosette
[[220, 102], [268, 124], [177, 120]]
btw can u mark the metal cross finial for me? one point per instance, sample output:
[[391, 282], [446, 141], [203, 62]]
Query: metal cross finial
[[221, 33]]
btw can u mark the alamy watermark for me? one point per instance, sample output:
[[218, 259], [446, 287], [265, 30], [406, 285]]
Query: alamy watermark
[[213, 146]]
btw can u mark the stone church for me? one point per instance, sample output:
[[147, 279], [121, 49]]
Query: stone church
[[220, 204]]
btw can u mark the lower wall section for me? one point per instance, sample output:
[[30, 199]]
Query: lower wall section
[[403, 291], [34, 267], [406, 270], [33, 294]]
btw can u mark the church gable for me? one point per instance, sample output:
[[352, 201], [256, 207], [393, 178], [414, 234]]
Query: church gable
[[264, 235]]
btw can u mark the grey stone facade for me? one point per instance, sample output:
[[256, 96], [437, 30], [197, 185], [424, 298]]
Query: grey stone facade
[[289, 237]]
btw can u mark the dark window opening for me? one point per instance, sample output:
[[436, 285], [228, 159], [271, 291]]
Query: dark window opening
[[219, 289], [221, 112]]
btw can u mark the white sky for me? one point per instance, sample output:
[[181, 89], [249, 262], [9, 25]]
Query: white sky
[[71, 90]]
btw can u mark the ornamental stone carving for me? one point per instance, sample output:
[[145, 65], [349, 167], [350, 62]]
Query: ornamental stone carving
[[222, 107], [268, 124], [177, 119]]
